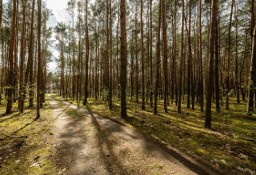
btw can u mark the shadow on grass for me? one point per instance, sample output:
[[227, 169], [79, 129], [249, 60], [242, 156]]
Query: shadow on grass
[[13, 116]]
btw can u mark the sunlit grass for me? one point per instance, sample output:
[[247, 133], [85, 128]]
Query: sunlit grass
[[26, 145], [232, 135]]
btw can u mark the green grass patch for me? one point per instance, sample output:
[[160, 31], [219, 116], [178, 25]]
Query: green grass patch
[[230, 146], [26, 144]]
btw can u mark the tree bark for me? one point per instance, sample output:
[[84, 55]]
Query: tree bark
[[123, 58], [165, 55], [39, 63], [22, 58], [158, 60], [213, 37], [142, 57], [10, 81]]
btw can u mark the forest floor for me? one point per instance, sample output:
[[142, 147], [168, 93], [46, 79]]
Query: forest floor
[[68, 139], [73, 141]]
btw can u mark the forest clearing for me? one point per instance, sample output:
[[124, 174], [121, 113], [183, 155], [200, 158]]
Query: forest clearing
[[124, 87]]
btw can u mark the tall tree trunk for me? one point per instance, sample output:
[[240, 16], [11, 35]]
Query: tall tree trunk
[[123, 58], [242, 68], [10, 82], [136, 56], [132, 66], [181, 58], [110, 57], [106, 68], [142, 57], [39, 63], [22, 58], [213, 37], [174, 53], [252, 81], [189, 64], [151, 53], [251, 92], [236, 60], [30, 57], [158, 60], [229, 57], [217, 88], [165, 55], [201, 78], [87, 52]]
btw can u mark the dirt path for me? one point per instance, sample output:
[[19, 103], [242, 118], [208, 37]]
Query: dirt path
[[89, 144]]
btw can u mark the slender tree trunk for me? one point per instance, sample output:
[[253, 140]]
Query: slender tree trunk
[[181, 58], [39, 65], [123, 72], [142, 57], [165, 55], [136, 55], [242, 68], [201, 78], [30, 58], [189, 64], [213, 37], [229, 57], [151, 53], [236, 60], [10, 82], [158, 60], [87, 52], [132, 66], [110, 56], [251, 92], [22, 58], [252, 81], [174, 53], [217, 88]]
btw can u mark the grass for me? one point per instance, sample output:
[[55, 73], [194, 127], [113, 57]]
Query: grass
[[26, 144], [229, 147]]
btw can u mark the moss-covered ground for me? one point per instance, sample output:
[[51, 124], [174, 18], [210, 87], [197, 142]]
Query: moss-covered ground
[[230, 146], [26, 144]]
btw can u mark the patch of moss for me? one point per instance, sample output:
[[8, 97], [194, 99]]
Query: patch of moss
[[187, 133], [26, 145]]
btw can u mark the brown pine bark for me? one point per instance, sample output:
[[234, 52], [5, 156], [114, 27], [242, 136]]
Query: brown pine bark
[[174, 53], [123, 58], [181, 59], [158, 60], [87, 53], [22, 58], [201, 79], [10, 82], [228, 86], [142, 57], [39, 62], [151, 52], [213, 37], [110, 103], [217, 87], [189, 64], [31, 59], [165, 55]]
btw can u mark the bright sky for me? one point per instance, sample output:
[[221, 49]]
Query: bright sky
[[59, 15], [58, 8]]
